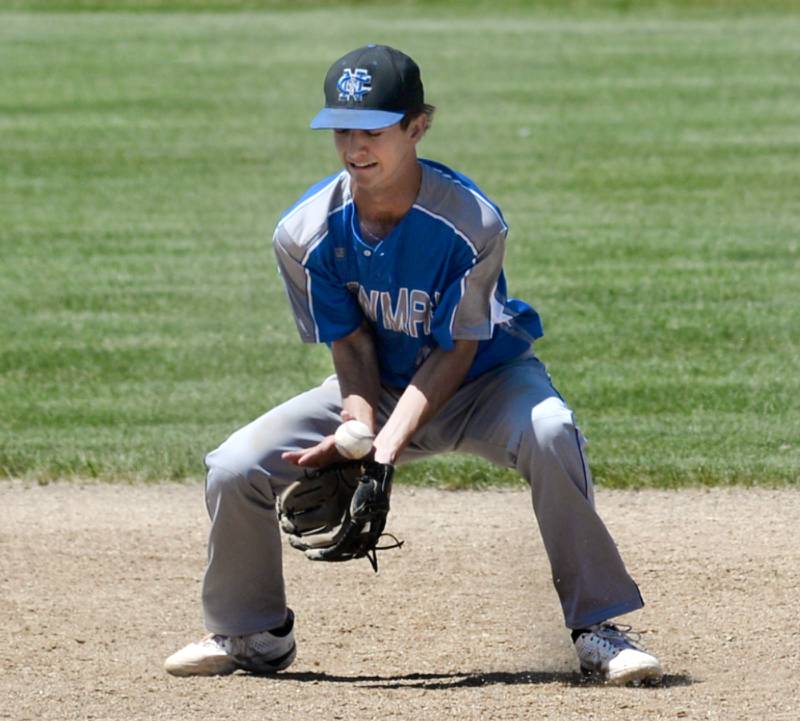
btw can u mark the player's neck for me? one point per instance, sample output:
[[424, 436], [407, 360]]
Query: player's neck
[[388, 203]]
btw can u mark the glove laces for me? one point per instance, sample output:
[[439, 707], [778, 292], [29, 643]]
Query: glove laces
[[372, 555]]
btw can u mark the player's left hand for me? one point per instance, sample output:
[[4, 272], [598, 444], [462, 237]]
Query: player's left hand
[[318, 456], [338, 513]]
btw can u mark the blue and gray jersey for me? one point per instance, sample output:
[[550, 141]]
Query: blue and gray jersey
[[436, 278]]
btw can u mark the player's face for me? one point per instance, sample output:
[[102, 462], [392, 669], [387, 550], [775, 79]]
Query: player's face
[[379, 159]]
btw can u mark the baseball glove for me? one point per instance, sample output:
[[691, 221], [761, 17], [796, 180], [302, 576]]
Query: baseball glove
[[339, 512]]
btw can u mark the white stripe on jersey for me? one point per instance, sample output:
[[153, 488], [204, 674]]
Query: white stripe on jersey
[[311, 198], [316, 243], [495, 315], [483, 200], [341, 207], [499, 316], [311, 305], [449, 225], [456, 306], [313, 247]]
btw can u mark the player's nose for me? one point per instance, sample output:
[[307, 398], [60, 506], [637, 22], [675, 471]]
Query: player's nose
[[356, 143]]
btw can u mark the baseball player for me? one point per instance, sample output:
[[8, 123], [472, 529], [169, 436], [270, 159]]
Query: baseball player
[[395, 262]]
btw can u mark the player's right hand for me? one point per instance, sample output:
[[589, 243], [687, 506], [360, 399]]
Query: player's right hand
[[318, 456]]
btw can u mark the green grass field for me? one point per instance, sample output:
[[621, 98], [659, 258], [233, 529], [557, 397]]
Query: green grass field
[[648, 164]]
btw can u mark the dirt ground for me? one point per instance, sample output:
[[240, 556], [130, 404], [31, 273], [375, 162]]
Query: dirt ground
[[101, 582]]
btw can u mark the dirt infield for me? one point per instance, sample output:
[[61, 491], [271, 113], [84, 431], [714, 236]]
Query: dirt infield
[[100, 583]]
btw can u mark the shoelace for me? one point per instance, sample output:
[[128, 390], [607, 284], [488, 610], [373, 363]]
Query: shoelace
[[226, 643], [618, 635], [236, 646]]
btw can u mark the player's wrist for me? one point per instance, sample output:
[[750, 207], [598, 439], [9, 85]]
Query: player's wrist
[[385, 453], [393, 438]]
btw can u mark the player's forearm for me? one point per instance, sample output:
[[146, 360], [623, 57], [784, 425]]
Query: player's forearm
[[356, 365], [432, 386]]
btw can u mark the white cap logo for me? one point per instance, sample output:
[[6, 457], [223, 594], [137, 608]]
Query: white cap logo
[[354, 84]]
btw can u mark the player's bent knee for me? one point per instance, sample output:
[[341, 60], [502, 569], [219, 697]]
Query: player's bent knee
[[230, 471], [237, 486], [552, 426], [221, 480]]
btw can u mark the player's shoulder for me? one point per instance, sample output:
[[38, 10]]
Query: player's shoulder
[[457, 200], [305, 223]]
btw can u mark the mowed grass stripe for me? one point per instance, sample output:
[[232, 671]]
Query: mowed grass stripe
[[647, 165]]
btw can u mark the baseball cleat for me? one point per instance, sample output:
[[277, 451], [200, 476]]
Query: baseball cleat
[[607, 653], [216, 655]]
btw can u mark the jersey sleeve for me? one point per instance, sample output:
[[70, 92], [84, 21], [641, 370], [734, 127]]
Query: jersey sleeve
[[469, 306], [323, 308]]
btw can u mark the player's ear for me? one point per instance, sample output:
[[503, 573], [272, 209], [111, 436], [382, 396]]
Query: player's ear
[[418, 127]]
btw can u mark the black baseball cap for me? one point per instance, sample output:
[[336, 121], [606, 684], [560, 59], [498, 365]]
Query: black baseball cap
[[370, 88]]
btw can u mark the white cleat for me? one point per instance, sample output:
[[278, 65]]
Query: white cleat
[[608, 653], [215, 655], [204, 658]]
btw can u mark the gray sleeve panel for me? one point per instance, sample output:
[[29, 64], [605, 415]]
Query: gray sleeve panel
[[467, 211], [289, 257], [479, 225], [298, 233], [478, 310]]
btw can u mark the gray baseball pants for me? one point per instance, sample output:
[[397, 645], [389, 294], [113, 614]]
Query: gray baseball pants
[[511, 415]]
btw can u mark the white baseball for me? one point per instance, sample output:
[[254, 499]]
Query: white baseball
[[353, 439]]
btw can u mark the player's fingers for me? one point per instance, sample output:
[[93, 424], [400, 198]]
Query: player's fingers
[[346, 416], [319, 455], [314, 458], [292, 456], [307, 459]]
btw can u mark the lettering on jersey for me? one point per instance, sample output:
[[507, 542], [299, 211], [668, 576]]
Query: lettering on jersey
[[397, 318], [411, 314], [368, 304], [419, 306], [354, 84]]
